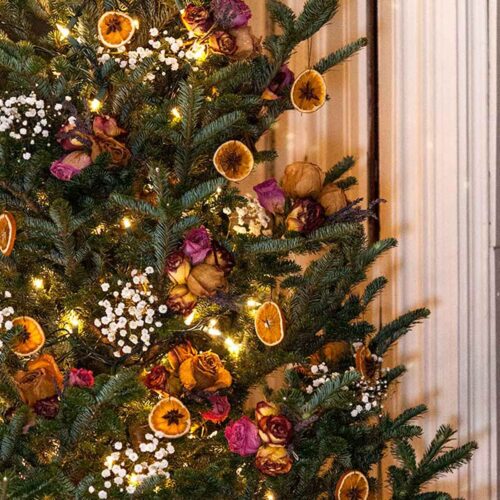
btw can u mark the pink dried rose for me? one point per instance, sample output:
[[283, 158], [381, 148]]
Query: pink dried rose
[[70, 165], [107, 125], [283, 79], [271, 196], [220, 409], [230, 14], [80, 377], [197, 244], [47, 408], [243, 437], [306, 216]]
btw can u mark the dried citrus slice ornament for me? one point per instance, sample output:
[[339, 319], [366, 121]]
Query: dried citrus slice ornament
[[31, 339], [115, 29], [308, 92], [234, 161], [270, 324], [7, 233], [352, 485], [170, 417]]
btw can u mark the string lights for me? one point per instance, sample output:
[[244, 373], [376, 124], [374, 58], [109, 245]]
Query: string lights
[[38, 283]]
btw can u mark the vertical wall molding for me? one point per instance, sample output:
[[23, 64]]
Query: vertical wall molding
[[438, 88]]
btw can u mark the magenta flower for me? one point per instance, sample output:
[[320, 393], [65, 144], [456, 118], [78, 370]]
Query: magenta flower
[[220, 409], [197, 244], [270, 196], [80, 377], [70, 165], [242, 437], [230, 14], [283, 79]]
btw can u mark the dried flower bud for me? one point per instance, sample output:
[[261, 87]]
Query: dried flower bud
[[303, 180], [206, 280], [181, 300], [306, 216], [332, 199], [178, 267]]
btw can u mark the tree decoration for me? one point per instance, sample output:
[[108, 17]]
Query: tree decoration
[[308, 92], [8, 232], [170, 417], [115, 29], [352, 485], [270, 324], [31, 338], [234, 161]]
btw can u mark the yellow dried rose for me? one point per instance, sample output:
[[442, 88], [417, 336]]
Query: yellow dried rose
[[180, 353], [303, 180], [332, 199], [204, 372], [206, 280]]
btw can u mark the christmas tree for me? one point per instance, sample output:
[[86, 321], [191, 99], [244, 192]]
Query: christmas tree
[[144, 298]]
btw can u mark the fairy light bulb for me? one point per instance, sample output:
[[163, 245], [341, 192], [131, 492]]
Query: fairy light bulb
[[135, 23], [188, 320], [63, 31], [252, 303], [269, 495], [126, 222], [95, 105], [38, 283], [199, 52], [176, 114], [232, 346]]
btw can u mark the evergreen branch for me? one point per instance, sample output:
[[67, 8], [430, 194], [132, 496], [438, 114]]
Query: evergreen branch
[[339, 169], [340, 55]]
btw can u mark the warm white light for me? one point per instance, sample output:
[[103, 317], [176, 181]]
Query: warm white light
[[176, 114], [232, 346], [63, 30], [188, 320], [126, 223], [252, 303], [135, 23], [214, 332], [269, 495], [95, 105], [38, 283], [199, 52]]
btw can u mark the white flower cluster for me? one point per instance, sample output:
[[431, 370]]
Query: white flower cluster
[[5, 313], [26, 117], [164, 49], [321, 370], [130, 320], [250, 219], [125, 470], [371, 393]]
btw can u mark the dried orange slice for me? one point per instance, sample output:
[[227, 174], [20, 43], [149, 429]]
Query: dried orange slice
[[8, 231], [170, 417], [366, 363], [308, 92], [270, 324], [234, 161], [115, 29], [352, 485], [32, 337]]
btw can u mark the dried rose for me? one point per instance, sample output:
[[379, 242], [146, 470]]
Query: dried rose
[[178, 267], [303, 180], [265, 409], [270, 196], [107, 125], [69, 138], [221, 258], [181, 300], [163, 381], [42, 380], [206, 280], [204, 372], [283, 79], [118, 152], [220, 409], [70, 165], [273, 460], [80, 377], [47, 408], [332, 199], [222, 42], [230, 13], [197, 244], [242, 437], [180, 353], [306, 215], [275, 429], [196, 19]]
